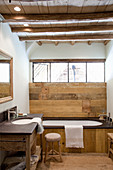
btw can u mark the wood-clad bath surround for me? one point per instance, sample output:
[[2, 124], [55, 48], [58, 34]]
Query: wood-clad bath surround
[[95, 140], [68, 99]]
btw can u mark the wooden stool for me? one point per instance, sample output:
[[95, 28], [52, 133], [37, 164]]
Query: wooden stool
[[52, 137], [110, 142]]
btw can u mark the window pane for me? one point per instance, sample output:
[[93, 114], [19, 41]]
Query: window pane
[[41, 72], [4, 77], [77, 72], [59, 72], [95, 72]]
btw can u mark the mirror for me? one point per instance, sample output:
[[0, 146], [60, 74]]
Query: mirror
[[6, 77]]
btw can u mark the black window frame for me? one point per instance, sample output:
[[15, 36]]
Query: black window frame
[[67, 71]]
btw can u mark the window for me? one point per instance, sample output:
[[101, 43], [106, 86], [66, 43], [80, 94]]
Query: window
[[41, 72], [68, 72], [77, 72], [5, 76], [59, 72], [95, 72]]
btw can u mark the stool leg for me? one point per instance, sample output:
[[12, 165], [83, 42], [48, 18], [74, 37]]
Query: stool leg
[[52, 148], [46, 151], [59, 151]]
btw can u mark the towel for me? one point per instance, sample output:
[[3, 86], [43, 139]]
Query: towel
[[39, 122], [74, 136]]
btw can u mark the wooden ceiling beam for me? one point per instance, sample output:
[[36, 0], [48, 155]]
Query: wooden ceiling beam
[[89, 28], [106, 42], [94, 41], [56, 43], [72, 42], [39, 43], [57, 17], [89, 42], [85, 37]]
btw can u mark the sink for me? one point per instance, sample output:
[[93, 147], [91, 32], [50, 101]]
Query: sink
[[22, 121]]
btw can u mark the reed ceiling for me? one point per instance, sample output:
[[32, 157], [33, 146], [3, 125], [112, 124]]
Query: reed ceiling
[[60, 20]]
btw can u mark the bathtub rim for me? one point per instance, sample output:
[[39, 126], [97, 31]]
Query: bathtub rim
[[105, 125]]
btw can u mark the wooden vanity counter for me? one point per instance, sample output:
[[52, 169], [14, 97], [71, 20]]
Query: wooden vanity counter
[[19, 137]]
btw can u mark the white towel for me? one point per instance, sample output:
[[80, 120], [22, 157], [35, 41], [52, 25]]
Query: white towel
[[74, 136], [39, 122]]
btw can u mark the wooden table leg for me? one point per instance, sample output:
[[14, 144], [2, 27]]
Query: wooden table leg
[[28, 153]]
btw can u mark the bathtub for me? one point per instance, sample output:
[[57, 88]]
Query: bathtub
[[94, 133], [71, 122]]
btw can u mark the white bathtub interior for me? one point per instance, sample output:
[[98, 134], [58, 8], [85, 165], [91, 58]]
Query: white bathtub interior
[[71, 122]]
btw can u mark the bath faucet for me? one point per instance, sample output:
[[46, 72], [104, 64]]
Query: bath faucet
[[103, 116], [11, 112], [109, 117]]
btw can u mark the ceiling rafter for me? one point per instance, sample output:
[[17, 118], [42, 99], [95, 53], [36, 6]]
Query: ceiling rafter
[[58, 17], [89, 28], [79, 37]]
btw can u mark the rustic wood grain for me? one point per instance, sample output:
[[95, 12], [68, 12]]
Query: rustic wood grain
[[76, 37], [95, 140], [58, 17], [68, 99]]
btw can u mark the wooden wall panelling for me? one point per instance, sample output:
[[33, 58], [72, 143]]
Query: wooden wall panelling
[[68, 99]]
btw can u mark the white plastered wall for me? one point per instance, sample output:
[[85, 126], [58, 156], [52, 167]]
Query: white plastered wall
[[109, 77], [10, 44], [65, 51]]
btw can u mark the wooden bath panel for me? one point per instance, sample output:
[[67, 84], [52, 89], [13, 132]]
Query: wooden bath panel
[[95, 140]]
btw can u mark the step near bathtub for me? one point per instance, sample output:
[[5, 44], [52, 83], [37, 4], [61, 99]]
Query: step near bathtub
[[71, 122]]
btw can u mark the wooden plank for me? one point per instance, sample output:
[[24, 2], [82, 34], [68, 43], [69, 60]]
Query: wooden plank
[[67, 96], [28, 152], [12, 142], [90, 85], [102, 6], [83, 90], [89, 7], [109, 6], [91, 28], [89, 140], [58, 106], [11, 6], [86, 106], [100, 140], [43, 7], [57, 7], [95, 140], [76, 37], [30, 7], [57, 17], [98, 102], [12, 146], [38, 151], [68, 99], [4, 8]]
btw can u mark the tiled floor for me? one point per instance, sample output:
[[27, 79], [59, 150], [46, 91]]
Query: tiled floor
[[79, 162]]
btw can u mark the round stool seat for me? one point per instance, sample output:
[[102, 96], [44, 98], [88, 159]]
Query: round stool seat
[[52, 137]]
